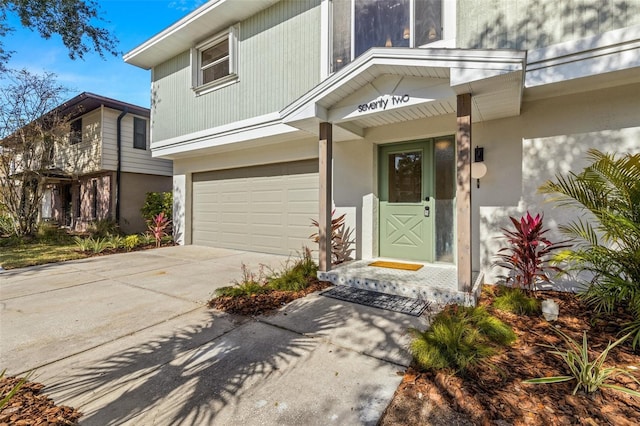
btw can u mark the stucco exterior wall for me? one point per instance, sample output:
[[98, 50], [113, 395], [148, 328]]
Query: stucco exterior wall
[[530, 24], [550, 136], [133, 190]]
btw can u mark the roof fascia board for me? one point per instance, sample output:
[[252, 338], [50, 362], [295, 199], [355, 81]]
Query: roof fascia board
[[612, 51]]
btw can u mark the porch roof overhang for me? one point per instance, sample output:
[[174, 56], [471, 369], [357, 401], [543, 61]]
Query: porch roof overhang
[[391, 85]]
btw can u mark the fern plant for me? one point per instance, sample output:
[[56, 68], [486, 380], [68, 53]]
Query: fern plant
[[607, 232], [590, 375]]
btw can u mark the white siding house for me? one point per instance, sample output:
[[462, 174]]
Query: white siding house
[[272, 110]]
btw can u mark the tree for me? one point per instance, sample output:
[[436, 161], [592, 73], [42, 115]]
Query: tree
[[30, 127], [73, 20]]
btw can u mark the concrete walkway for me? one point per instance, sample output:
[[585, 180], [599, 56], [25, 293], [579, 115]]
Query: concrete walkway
[[127, 339]]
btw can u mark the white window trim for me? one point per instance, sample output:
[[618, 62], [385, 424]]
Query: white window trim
[[196, 76]]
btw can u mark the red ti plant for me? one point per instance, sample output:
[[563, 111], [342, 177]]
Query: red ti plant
[[159, 226], [527, 255]]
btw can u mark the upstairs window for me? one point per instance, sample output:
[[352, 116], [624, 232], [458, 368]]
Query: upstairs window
[[75, 131], [139, 133], [359, 25], [214, 62]]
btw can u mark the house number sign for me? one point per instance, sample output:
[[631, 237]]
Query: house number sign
[[383, 102]]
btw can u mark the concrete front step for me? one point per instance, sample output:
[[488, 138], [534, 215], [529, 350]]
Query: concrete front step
[[433, 282]]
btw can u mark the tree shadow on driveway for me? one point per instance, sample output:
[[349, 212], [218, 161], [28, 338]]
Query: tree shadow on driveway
[[230, 369]]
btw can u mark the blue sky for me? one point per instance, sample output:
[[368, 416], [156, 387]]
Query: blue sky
[[132, 22]]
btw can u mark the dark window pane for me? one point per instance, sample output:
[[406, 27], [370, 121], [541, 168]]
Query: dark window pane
[[381, 23], [405, 177], [341, 33], [214, 53], [445, 193], [139, 133], [215, 72], [428, 21]]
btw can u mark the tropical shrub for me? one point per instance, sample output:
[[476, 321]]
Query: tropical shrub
[[131, 241], [341, 238], [527, 256], [116, 241], [82, 244], [607, 233], [159, 227], [146, 239], [294, 277], [513, 299], [98, 245], [458, 338], [156, 203], [590, 375]]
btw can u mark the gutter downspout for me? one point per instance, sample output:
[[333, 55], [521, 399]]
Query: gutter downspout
[[124, 112]]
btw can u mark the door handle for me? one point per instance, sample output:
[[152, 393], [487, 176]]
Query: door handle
[[427, 211], [427, 198]]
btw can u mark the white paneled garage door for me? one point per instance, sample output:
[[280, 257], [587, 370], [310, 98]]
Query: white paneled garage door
[[263, 208]]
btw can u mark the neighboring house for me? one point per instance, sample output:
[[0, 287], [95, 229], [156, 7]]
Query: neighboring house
[[274, 112], [105, 168]]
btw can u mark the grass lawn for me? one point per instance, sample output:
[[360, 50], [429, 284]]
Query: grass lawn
[[38, 253]]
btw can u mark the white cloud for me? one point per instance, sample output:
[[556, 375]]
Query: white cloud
[[186, 5]]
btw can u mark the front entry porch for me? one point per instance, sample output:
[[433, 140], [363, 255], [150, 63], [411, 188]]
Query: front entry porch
[[436, 283]]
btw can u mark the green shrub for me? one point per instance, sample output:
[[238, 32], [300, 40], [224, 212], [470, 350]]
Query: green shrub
[[116, 241], [294, 277], [608, 245], [250, 283], [104, 228], [590, 375], [515, 300], [156, 203], [146, 239], [458, 338], [6, 225], [97, 245], [50, 233], [131, 241], [82, 244]]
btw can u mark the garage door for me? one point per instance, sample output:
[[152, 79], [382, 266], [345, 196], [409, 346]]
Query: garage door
[[264, 208]]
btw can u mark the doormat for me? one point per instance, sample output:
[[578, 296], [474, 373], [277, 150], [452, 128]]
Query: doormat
[[397, 265], [390, 302]]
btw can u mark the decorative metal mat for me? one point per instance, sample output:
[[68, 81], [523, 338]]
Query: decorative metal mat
[[390, 302]]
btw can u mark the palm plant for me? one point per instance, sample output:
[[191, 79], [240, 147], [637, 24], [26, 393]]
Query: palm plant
[[607, 233]]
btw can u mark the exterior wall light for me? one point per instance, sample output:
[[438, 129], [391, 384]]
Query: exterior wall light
[[478, 168]]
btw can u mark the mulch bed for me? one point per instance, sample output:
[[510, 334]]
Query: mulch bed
[[258, 304], [30, 407], [493, 393]]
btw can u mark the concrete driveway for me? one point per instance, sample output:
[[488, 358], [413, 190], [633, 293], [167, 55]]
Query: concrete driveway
[[127, 339]]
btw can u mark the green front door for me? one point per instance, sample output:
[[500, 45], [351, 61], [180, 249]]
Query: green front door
[[406, 201]]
